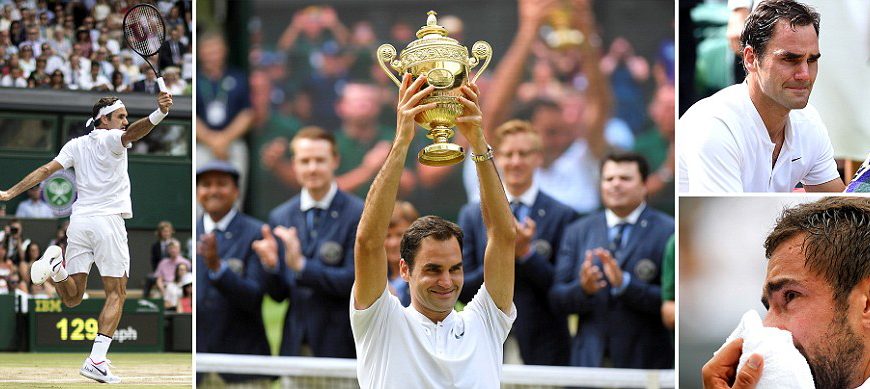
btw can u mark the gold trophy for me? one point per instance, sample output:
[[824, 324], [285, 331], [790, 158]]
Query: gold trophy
[[445, 63], [559, 34]]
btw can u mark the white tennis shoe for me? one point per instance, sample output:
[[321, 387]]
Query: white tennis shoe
[[99, 371], [50, 263]]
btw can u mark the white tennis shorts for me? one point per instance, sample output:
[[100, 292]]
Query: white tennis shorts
[[100, 239]]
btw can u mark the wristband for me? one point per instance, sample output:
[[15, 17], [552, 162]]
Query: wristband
[[156, 117]]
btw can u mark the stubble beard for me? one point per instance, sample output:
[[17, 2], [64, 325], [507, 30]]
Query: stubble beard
[[836, 362]]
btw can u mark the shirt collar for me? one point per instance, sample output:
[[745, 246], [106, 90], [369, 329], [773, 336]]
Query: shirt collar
[[613, 220], [210, 225], [307, 202], [865, 385], [422, 319], [528, 197]]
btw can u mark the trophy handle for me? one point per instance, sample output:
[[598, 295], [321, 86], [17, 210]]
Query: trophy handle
[[480, 50], [387, 53]]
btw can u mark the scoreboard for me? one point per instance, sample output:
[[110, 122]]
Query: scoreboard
[[56, 328]]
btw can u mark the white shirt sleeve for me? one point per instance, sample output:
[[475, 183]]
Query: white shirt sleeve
[[824, 169], [66, 156], [497, 323], [111, 140], [712, 157], [370, 326]]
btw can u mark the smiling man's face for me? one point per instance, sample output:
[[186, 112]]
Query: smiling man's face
[[802, 302]]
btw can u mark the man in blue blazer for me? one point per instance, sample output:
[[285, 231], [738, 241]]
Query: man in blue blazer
[[541, 333], [608, 271], [314, 232], [228, 271]]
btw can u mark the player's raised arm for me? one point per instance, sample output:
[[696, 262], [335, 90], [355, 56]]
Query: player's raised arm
[[143, 126], [30, 180], [498, 259], [369, 254]]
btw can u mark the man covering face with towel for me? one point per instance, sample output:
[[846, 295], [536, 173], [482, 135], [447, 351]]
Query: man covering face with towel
[[818, 288]]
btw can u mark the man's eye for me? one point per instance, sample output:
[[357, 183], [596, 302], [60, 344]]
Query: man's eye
[[789, 296]]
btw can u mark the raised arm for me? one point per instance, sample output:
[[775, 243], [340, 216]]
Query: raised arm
[[140, 128], [498, 259], [370, 257], [30, 180]]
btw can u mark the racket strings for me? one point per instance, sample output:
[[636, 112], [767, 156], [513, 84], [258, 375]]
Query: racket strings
[[144, 30]]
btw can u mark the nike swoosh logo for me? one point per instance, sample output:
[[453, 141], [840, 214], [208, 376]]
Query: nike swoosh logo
[[796, 159], [103, 372], [54, 268]]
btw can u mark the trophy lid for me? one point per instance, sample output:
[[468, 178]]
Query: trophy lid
[[431, 26]]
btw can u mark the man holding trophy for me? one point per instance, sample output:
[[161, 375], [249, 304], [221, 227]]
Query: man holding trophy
[[428, 343]]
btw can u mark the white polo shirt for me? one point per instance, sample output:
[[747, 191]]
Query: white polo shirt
[[724, 147], [398, 347], [100, 162]]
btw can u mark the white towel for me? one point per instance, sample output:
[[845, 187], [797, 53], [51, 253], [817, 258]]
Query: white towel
[[784, 366]]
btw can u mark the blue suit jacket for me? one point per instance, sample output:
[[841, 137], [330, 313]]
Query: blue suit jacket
[[229, 319], [628, 327], [541, 333], [320, 293]]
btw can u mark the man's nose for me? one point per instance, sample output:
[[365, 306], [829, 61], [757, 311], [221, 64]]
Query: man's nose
[[802, 71]]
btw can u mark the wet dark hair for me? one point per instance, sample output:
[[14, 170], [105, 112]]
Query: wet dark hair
[[103, 102], [762, 22], [836, 243], [627, 156], [427, 227]]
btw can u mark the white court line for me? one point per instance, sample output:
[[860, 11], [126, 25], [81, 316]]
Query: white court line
[[123, 379]]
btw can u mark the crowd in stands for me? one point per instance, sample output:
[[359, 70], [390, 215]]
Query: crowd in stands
[[17, 253], [304, 131], [79, 45]]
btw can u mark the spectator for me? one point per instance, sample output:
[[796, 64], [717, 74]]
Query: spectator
[[118, 85], [60, 234], [166, 269], [148, 84], [309, 31], [317, 229], [229, 295], [26, 60], [172, 290], [33, 40], [627, 72], [174, 83], [34, 206], [57, 82], [404, 214], [657, 146], [618, 295], [131, 71], [31, 254], [95, 80], [172, 51], [541, 333], [223, 108], [186, 300], [15, 241], [569, 160], [15, 78]]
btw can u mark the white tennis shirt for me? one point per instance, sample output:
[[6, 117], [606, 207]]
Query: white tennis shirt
[[398, 347], [100, 162], [725, 147]]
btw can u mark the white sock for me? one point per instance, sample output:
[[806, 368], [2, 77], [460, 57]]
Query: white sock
[[60, 275], [101, 347]]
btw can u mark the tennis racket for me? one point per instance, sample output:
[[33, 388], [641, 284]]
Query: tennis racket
[[145, 33]]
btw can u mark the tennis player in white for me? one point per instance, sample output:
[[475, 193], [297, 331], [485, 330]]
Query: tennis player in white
[[429, 344], [96, 231]]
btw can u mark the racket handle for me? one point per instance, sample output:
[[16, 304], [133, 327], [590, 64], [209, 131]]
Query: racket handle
[[162, 85]]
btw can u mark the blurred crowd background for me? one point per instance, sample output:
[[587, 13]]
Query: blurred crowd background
[[79, 45]]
